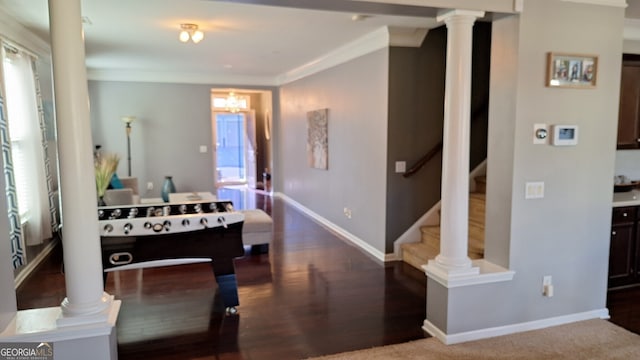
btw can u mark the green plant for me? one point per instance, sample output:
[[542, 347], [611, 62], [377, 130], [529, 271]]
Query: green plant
[[105, 167]]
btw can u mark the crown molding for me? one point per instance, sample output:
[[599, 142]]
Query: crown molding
[[371, 42], [14, 32], [614, 3], [496, 6], [376, 40], [177, 77], [407, 37]]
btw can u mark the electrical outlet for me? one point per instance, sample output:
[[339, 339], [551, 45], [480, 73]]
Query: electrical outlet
[[149, 185], [534, 190], [347, 212]]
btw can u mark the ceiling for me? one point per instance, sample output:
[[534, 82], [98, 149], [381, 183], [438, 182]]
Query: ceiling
[[246, 41], [241, 40]]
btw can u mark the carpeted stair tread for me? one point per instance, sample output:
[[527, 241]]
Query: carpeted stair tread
[[477, 204], [418, 254], [481, 183]]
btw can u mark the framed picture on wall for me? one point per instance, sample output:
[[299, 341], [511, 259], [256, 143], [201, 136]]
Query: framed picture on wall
[[571, 70]]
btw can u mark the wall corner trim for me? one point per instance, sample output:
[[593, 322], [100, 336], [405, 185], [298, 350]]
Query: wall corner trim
[[369, 43], [488, 273], [473, 335], [338, 230]]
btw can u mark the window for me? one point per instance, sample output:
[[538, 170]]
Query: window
[[25, 122], [231, 102], [20, 100]]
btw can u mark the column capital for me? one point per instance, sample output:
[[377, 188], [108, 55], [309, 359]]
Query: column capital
[[447, 14]]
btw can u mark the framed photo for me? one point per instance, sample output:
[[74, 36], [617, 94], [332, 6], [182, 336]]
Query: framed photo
[[571, 70]]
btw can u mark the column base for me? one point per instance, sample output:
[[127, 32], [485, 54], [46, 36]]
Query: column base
[[481, 272], [73, 315], [436, 270], [453, 264], [43, 325]]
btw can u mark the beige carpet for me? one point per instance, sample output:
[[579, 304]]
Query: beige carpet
[[591, 339]]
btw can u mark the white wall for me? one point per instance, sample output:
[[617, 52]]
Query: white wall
[[356, 95], [565, 234]]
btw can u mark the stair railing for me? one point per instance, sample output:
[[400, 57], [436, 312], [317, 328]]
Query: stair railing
[[438, 147], [423, 160]]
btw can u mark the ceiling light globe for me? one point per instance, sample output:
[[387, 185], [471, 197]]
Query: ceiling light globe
[[184, 36], [197, 36]]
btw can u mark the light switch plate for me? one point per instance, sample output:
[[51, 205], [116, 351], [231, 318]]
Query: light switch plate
[[401, 167], [534, 190], [203, 148]]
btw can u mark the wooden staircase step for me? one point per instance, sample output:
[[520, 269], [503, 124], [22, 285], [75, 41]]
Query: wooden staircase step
[[477, 208], [431, 235], [475, 246], [476, 231], [481, 184], [418, 254]]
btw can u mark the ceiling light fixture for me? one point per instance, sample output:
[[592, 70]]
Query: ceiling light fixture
[[190, 31], [233, 105]]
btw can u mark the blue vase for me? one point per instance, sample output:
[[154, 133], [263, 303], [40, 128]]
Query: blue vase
[[167, 188]]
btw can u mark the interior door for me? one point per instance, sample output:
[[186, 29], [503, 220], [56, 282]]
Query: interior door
[[234, 144], [250, 148]]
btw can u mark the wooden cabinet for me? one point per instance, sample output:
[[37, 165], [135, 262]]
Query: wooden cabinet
[[624, 262], [629, 110]]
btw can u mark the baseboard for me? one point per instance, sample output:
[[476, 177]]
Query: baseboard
[[338, 230], [33, 264], [450, 339]]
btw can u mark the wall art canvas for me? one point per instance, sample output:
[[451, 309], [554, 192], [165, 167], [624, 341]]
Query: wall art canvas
[[317, 140]]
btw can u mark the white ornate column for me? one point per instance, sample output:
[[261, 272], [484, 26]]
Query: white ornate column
[[86, 301], [453, 259]]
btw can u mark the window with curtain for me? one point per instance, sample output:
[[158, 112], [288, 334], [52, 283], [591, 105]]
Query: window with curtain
[[26, 141]]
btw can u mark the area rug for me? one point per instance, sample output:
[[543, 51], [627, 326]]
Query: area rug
[[591, 339]]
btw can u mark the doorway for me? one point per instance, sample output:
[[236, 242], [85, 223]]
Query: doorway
[[234, 153]]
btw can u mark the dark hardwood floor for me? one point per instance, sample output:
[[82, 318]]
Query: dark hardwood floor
[[313, 294]]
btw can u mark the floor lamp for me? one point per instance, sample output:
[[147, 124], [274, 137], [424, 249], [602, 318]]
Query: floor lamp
[[128, 120]]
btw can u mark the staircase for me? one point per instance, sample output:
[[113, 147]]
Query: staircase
[[419, 253]]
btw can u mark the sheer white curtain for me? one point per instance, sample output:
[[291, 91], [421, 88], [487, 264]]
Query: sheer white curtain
[[26, 143]]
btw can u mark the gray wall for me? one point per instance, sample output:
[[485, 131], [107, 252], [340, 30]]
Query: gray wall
[[565, 234], [173, 120], [356, 95], [416, 113]]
